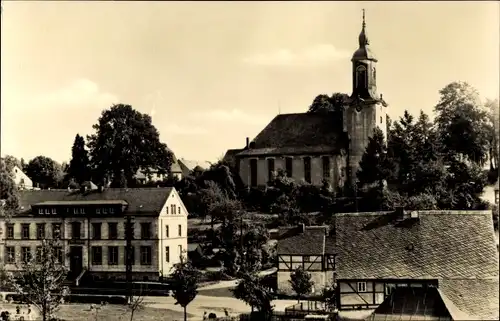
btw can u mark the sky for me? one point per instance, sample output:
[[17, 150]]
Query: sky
[[212, 73]]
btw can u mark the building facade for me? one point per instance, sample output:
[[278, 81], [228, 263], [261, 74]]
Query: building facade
[[90, 227], [21, 180], [319, 147]]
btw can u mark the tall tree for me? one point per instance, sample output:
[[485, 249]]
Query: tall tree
[[40, 281], [12, 161], [251, 291], [9, 195], [375, 165], [493, 112], [124, 142], [462, 123], [79, 166], [44, 171], [184, 284]]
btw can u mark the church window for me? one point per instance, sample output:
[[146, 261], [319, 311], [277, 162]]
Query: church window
[[288, 166], [270, 168], [307, 169], [326, 167], [374, 74], [361, 77], [381, 119], [253, 172]]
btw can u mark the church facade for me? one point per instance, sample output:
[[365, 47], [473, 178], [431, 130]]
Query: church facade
[[319, 147]]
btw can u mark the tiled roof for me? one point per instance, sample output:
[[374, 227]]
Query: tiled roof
[[187, 166], [230, 156], [446, 244], [139, 200], [298, 133], [293, 241], [471, 299]]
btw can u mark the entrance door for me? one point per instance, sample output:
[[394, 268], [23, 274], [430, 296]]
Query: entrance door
[[75, 261]]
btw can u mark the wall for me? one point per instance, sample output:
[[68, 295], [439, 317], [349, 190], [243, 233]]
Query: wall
[[173, 240], [20, 176], [361, 297], [360, 126], [85, 242], [297, 169]]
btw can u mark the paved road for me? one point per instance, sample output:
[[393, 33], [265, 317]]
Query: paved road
[[210, 304]]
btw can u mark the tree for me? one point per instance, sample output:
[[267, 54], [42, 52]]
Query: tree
[[79, 166], [185, 281], [44, 171], [9, 194], [40, 280], [328, 296], [124, 142], [252, 246], [251, 291], [465, 183], [12, 161], [135, 304], [462, 124], [493, 113], [375, 164], [301, 282], [325, 103]]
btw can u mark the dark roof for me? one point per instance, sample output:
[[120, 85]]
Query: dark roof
[[457, 248], [110, 202], [298, 133], [411, 302], [293, 241], [139, 200], [230, 156], [376, 245]]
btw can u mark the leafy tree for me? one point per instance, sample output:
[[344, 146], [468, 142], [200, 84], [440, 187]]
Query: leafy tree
[[251, 291], [125, 141], [11, 161], [301, 283], [493, 112], [9, 194], [40, 280], [465, 184], [79, 166], [325, 103], [253, 248], [328, 296], [462, 123], [45, 171], [375, 164], [185, 281]]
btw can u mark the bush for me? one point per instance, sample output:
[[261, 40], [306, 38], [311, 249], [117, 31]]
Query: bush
[[422, 201]]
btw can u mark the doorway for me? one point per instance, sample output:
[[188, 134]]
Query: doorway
[[75, 261]]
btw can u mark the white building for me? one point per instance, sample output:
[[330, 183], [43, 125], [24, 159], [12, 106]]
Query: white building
[[91, 229], [21, 180]]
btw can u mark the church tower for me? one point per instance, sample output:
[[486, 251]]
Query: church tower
[[366, 109]]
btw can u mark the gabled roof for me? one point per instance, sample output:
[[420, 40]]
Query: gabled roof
[[298, 133], [292, 241], [230, 156], [187, 166], [139, 200], [377, 245]]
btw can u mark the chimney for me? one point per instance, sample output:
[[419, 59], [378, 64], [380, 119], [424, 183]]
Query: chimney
[[302, 228], [248, 143]]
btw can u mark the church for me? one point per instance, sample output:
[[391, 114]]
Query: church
[[318, 147]]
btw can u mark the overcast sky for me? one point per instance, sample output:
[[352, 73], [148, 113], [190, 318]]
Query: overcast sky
[[212, 73]]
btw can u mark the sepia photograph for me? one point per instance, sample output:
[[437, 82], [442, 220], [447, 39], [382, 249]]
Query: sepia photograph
[[249, 160]]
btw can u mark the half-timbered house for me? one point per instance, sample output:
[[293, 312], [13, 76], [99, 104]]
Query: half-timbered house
[[372, 254]]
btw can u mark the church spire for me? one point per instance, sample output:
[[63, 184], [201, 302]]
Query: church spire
[[363, 38]]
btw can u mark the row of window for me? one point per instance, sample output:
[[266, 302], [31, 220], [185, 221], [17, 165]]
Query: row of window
[[76, 210], [114, 254], [167, 252], [289, 168], [76, 231], [26, 255]]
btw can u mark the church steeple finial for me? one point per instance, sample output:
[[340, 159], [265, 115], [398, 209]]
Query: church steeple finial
[[363, 38]]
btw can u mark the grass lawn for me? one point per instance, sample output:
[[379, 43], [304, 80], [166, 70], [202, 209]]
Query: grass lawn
[[81, 312]]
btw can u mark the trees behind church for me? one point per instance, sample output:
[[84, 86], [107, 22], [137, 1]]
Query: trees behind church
[[434, 164]]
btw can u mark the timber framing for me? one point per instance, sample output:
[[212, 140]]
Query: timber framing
[[350, 294], [312, 263]]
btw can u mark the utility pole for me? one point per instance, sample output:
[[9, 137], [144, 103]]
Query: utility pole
[[129, 232]]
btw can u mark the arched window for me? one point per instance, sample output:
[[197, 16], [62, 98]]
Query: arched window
[[361, 77], [374, 74]]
